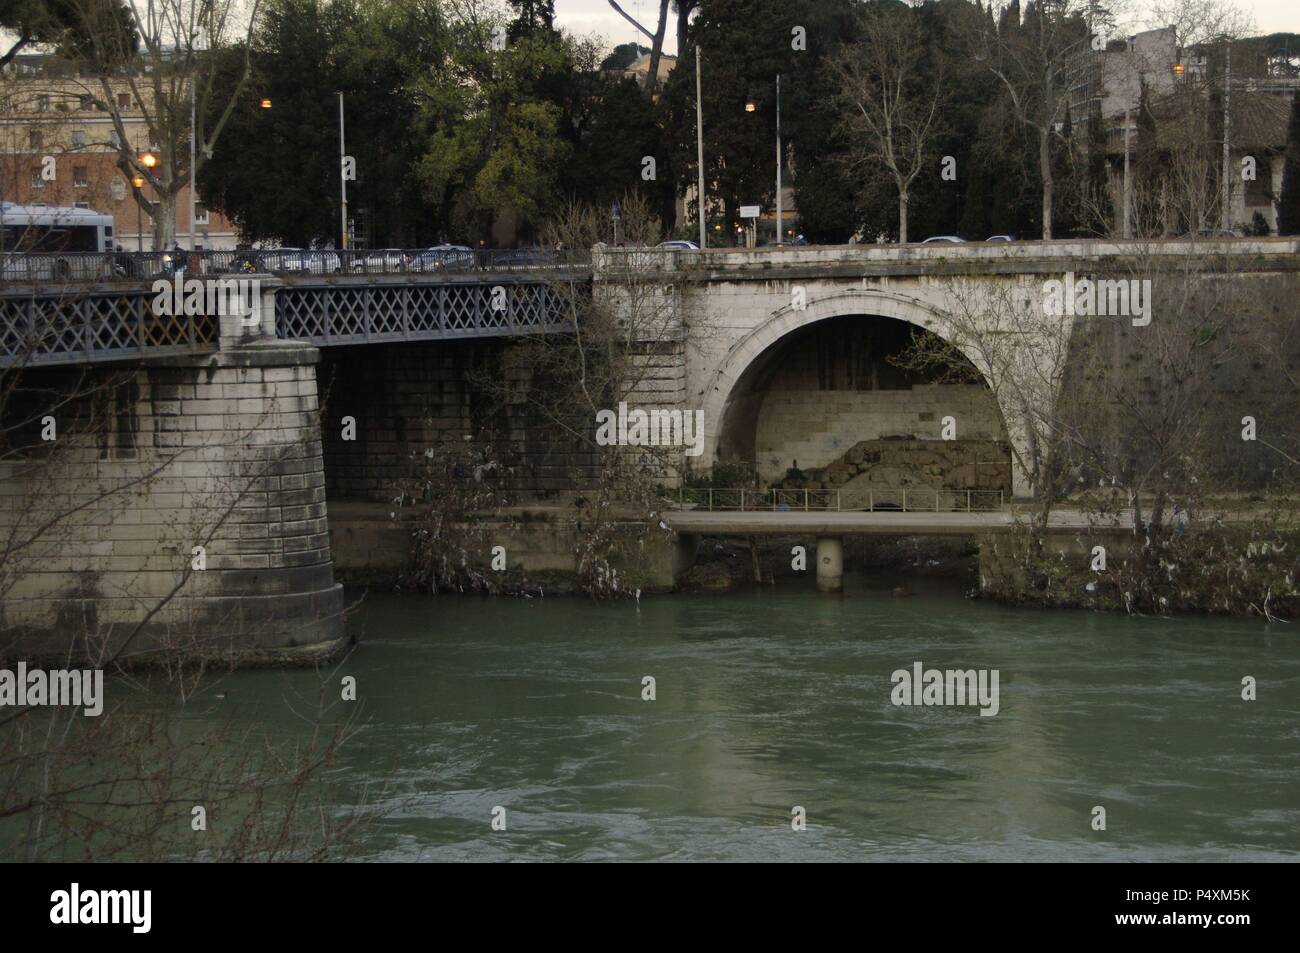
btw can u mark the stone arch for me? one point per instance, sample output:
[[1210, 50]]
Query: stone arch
[[742, 354]]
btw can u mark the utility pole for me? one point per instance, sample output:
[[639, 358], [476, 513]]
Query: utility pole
[[1128, 232], [780, 233], [343, 182], [193, 94], [1225, 212], [699, 146]]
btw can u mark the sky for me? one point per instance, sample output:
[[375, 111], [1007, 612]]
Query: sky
[[597, 16]]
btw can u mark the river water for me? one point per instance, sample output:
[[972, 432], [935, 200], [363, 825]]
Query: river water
[[781, 698]]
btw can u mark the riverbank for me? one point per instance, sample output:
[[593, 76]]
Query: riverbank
[[1238, 569]]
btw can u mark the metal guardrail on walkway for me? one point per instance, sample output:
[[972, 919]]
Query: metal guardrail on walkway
[[915, 500], [67, 324], [333, 314], [29, 267], [95, 326]]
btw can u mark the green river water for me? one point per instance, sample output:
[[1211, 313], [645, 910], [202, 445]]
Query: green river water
[[780, 698]]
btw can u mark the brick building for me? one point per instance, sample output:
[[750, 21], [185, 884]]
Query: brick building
[[58, 148]]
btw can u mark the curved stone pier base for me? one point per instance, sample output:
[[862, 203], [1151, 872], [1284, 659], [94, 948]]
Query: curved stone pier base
[[222, 452]]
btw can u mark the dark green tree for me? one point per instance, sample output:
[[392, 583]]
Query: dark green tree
[[610, 159], [745, 44], [276, 171], [1288, 206], [71, 27], [532, 16], [623, 56]]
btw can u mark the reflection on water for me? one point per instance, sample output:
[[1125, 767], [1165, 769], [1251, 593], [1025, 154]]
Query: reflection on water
[[773, 699]]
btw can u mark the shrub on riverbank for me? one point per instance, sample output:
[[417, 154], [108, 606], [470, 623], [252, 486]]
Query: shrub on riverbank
[[1242, 569]]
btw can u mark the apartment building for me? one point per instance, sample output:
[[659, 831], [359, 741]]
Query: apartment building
[[58, 147]]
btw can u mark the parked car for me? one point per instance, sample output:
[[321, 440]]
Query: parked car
[[944, 239], [444, 258], [284, 261], [1214, 233], [301, 261], [678, 244], [525, 257], [1001, 238], [379, 260]]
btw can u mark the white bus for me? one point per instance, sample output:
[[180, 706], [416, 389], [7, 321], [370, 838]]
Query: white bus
[[48, 243]]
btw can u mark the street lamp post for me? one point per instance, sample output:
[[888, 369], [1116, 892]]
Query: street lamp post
[[138, 182], [752, 106], [148, 159], [780, 234], [699, 145], [1225, 215], [343, 183]]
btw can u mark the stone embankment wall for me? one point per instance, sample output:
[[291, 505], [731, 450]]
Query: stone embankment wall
[[409, 398]]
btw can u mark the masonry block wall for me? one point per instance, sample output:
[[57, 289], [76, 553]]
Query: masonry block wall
[[833, 385], [407, 399], [220, 452]]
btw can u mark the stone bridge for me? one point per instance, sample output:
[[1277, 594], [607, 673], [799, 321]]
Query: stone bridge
[[761, 324], [207, 433]]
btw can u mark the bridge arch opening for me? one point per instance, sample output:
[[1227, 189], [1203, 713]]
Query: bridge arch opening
[[828, 405]]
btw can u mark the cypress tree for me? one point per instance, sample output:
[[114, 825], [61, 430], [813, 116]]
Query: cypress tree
[[1288, 205]]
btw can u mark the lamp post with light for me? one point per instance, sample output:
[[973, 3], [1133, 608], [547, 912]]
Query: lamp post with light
[[148, 159], [752, 106], [138, 182]]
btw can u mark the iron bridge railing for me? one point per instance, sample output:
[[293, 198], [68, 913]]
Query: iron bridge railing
[[333, 314], [64, 328], [45, 267], [914, 500]]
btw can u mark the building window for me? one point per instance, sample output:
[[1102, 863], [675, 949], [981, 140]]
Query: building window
[[43, 103], [86, 102], [78, 139], [200, 213], [38, 181], [1258, 193], [79, 178], [117, 190], [81, 204], [35, 140], [123, 100]]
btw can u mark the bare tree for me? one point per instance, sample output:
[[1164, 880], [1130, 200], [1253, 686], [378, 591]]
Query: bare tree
[[1121, 417], [1038, 61], [1200, 21], [172, 83], [656, 41], [125, 783], [624, 343], [890, 106]]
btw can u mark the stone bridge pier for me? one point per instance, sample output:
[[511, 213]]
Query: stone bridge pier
[[179, 508]]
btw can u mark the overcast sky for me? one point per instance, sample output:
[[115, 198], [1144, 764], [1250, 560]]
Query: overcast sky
[[597, 16]]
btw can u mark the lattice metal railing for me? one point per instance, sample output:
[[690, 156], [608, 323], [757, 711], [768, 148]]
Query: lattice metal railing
[[913, 500], [62, 327], [56, 325], [335, 314]]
